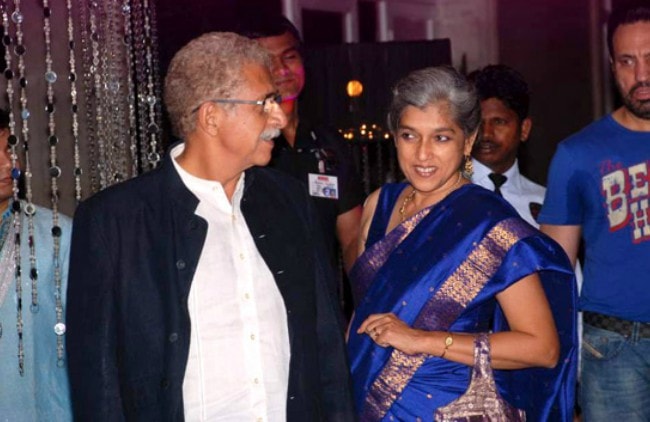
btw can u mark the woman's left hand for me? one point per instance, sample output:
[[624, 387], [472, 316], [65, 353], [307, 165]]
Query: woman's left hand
[[388, 330]]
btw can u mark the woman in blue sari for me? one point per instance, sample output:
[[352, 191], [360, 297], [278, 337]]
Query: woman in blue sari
[[443, 260]]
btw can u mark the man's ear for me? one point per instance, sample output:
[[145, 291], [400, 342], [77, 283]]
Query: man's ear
[[208, 117], [526, 126]]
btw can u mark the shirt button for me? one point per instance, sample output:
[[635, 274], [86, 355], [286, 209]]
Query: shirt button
[[241, 256], [180, 264], [247, 296], [173, 337], [252, 336]]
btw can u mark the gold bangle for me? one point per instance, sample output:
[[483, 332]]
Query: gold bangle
[[449, 340]]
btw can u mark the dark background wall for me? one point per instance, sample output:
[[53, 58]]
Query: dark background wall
[[181, 21], [546, 40]]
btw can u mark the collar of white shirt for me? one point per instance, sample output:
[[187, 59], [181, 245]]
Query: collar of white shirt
[[481, 173], [209, 191]]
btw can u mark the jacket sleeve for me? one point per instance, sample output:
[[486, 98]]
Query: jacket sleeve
[[334, 369], [91, 321]]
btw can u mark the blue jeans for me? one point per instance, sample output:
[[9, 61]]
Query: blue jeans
[[615, 380]]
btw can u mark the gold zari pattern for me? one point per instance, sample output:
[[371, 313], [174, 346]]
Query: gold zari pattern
[[461, 287]]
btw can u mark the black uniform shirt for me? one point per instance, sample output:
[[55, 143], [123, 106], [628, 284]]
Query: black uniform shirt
[[321, 151]]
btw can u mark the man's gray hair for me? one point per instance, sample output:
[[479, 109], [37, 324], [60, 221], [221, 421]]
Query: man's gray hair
[[208, 67], [431, 85]]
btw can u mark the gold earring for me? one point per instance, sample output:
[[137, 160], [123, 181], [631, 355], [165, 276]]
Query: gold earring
[[468, 167]]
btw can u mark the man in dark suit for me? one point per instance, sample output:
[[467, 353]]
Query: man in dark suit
[[199, 290]]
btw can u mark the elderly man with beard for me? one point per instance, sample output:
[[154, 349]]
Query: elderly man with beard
[[598, 190], [198, 291]]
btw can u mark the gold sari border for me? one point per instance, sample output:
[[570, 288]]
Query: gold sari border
[[455, 293]]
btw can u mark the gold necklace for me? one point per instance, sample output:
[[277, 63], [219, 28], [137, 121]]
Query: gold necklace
[[407, 199], [410, 196]]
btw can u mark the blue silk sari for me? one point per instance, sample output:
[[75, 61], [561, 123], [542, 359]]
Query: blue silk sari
[[441, 270]]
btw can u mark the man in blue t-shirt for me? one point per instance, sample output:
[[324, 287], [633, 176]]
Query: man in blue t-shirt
[[598, 190]]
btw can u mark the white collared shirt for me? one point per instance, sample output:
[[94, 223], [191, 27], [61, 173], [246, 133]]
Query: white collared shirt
[[238, 365], [519, 191]]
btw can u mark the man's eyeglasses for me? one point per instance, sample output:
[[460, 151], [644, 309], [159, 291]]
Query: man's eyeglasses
[[267, 103]]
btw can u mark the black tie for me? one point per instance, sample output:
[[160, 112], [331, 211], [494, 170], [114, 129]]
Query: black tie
[[498, 180]]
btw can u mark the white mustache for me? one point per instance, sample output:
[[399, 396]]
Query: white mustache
[[269, 134]]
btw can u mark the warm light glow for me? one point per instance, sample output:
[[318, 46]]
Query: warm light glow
[[365, 132], [354, 88]]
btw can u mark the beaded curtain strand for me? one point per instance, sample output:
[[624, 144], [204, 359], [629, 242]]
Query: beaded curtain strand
[[55, 172], [13, 142], [114, 119], [72, 77], [20, 50]]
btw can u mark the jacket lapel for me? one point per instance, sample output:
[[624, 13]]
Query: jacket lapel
[[188, 229]]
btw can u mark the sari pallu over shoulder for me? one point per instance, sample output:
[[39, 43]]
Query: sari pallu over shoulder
[[441, 271]]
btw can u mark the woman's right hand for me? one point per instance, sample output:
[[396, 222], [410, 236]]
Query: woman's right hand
[[388, 330]]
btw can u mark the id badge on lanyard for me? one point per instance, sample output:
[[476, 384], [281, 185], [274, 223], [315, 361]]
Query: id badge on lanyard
[[322, 185]]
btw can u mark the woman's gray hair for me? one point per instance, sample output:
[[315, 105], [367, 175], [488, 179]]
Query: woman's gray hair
[[208, 67], [431, 85]]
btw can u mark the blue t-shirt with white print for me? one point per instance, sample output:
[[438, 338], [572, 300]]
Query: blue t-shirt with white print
[[600, 179]]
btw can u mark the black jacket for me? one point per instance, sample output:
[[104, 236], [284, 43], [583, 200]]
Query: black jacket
[[135, 249]]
